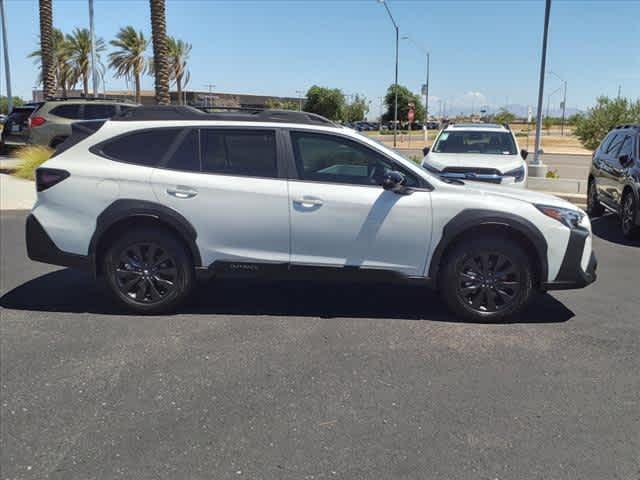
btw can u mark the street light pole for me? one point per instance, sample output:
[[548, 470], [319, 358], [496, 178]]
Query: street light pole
[[538, 168], [564, 100], [94, 67], [395, 85], [426, 92], [5, 47]]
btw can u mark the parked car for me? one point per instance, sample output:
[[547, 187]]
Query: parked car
[[49, 123], [15, 125], [614, 178], [171, 194], [479, 152]]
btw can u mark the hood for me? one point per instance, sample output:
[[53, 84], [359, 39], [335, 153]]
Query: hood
[[524, 195], [503, 163]]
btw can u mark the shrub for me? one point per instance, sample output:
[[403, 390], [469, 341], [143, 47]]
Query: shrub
[[592, 127], [32, 157], [553, 174]]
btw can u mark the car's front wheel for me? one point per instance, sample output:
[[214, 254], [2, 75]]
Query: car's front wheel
[[149, 270], [488, 279], [628, 216]]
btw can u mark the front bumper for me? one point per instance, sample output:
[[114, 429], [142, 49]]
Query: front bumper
[[41, 248], [571, 274]]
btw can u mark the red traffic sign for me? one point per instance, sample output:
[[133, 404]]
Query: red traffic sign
[[411, 115]]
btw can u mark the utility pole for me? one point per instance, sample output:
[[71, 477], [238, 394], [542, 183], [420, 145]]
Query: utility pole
[[395, 85], [94, 66], [537, 168], [5, 47], [299, 92], [619, 90], [209, 86]]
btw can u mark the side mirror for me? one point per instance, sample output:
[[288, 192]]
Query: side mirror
[[524, 153], [624, 160], [394, 181], [425, 151]]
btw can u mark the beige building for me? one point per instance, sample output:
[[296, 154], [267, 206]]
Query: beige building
[[190, 97]]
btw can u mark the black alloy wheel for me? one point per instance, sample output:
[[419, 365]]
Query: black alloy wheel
[[146, 273], [488, 281]]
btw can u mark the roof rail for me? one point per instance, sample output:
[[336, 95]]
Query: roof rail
[[182, 112], [628, 125], [57, 99]]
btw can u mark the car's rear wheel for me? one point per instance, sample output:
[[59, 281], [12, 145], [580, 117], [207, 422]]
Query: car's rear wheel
[[149, 270], [594, 208], [489, 279], [628, 216]]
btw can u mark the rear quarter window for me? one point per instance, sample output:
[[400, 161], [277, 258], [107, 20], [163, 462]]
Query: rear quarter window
[[146, 148], [99, 111], [67, 111]]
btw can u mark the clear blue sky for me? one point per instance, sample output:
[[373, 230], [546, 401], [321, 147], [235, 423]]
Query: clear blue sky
[[483, 52]]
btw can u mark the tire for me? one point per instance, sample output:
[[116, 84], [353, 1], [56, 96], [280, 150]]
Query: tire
[[628, 215], [486, 280], [149, 270], [594, 207]]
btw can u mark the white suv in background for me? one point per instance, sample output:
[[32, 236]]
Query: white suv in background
[[480, 152], [160, 196]]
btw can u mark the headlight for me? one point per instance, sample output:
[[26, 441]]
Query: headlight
[[516, 173], [431, 169], [566, 216]]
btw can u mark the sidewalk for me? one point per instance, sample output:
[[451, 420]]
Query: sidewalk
[[16, 194]]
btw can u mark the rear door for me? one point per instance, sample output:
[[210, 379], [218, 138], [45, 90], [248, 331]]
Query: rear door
[[608, 161], [620, 169], [227, 182]]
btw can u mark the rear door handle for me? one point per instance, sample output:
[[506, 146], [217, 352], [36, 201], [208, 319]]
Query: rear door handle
[[308, 201], [182, 192]]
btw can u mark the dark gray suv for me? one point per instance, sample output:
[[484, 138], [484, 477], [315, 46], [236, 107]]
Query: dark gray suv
[[614, 179]]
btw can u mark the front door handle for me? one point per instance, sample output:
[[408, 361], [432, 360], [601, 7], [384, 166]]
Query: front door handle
[[182, 192], [308, 201]]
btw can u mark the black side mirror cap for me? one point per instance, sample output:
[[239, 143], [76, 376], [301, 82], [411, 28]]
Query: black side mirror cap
[[425, 151], [524, 153], [624, 160], [394, 181]]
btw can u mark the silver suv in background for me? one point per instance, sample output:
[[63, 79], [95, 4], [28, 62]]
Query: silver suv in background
[[49, 123]]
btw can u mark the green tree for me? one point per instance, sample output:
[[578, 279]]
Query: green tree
[[592, 127], [574, 119], [356, 110], [129, 59], [46, 48], [179, 52], [547, 123], [405, 97], [281, 104], [160, 51], [4, 104], [63, 70], [78, 46], [504, 116], [328, 102]]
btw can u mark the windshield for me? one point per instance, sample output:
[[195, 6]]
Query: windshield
[[494, 143]]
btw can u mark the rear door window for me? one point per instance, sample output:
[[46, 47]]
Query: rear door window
[[186, 156], [146, 148], [67, 111], [98, 111], [615, 144], [249, 153]]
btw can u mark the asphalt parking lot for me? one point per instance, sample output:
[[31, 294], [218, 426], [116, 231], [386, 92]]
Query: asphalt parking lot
[[306, 381]]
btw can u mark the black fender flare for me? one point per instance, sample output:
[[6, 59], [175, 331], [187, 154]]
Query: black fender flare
[[472, 218], [124, 209]]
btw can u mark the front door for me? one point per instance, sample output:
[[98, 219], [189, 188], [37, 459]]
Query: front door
[[341, 216]]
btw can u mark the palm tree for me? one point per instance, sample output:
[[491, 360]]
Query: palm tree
[[179, 52], [129, 60], [79, 51], [46, 48], [160, 57], [62, 66]]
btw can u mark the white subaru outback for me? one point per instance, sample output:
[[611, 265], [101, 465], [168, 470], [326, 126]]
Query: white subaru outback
[[161, 196], [479, 152]]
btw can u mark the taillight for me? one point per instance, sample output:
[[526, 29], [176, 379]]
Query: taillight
[[48, 177], [36, 121]]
